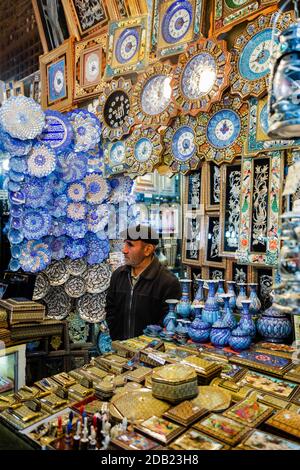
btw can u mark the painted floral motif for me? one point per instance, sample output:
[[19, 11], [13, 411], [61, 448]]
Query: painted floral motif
[[22, 117], [260, 200], [234, 207], [215, 239], [87, 130], [217, 184]]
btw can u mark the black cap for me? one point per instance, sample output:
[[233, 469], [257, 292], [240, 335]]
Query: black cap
[[141, 232]]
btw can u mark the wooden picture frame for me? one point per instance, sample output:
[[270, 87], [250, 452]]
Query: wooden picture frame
[[46, 16], [212, 178], [191, 240], [56, 69], [230, 208], [94, 22], [240, 273], [212, 273], [260, 209], [88, 68], [18, 88], [211, 242], [193, 191]]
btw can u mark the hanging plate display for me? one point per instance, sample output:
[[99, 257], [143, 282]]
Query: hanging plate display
[[97, 278], [38, 192], [35, 256], [36, 223], [58, 303], [18, 164], [251, 54], [22, 117], [181, 148], [58, 132], [76, 192], [75, 287], [121, 190], [87, 129], [98, 250], [57, 247], [76, 249], [153, 101], [57, 273], [143, 151], [76, 229], [201, 75], [76, 267], [114, 109], [91, 307], [71, 167], [97, 188], [41, 287], [76, 210], [223, 130], [97, 218], [41, 161]]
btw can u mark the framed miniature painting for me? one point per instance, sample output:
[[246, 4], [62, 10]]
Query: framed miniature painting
[[195, 440], [191, 243], [230, 209], [223, 428], [51, 22], [249, 411], [88, 68], [127, 49], [212, 186], [160, 429], [263, 361], [174, 24], [260, 209], [211, 242], [57, 77], [272, 385], [18, 88], [132, 440], [260, 440]]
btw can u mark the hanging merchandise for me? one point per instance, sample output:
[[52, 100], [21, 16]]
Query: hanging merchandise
[[22, 118], [143, 151], [87, 129], [58, 132]]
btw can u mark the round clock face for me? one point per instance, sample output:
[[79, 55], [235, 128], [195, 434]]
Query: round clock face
[[235, 3], [127, 45], [223, 128], [176, 21], [183, 143], [92, 67], [58, 81], [254, 60], [198, 76], [264, 120], [143, 150], [156, 95], [116, 108], [117, 153]]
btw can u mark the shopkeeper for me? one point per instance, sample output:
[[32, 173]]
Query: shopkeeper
[[138, 290]]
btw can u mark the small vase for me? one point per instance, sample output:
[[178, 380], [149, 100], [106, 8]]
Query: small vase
[[255, 305], [274, 326], [219, 334], [231, 291], [199, 296], [239, 340], [220, 291], [211, 311], [246, 322], [242, 295], [228, 318], [171, 312], [181, 332], [199, 330], [184, 305]]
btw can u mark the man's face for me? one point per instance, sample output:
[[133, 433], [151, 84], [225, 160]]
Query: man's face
[[136, 251]]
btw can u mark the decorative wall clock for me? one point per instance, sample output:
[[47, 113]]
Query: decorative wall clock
[[181, 148], [201, 75], [143, 151], [251, 54], [227, 13], [223, 130], [174, 24], [127, 46], [260, 209], [153, 101], [115, 157], [115, 110], [88, 68], [258, 139]]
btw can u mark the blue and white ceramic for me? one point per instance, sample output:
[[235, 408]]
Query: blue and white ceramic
[[97, 250], [242, 295], [176, 21], [199, 296], [76, 192], [255, 305], [36, 223], [127, 45], [22, 117], [58, 132], [18, 164], [16, 176], [76, 229], [228, 317], [254, 60], [223, 128], [59, 206], [15, 236], [15, 147], [171, 315], [87, 129], [38, 192], [97, 218], [183, 144], [220, 292], [97, 188], [41, 161], [75, 249], [184, 307], [35, 256], [199, 331], [231, 291], [71, 167], [77, 211]]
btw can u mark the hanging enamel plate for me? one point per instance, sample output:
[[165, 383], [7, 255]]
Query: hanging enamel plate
[[91, 307], [22, 117], [181, 149], [223, 130], [58, 132], [75, 287], [36, 223], [76, 267], [57, 273], [71, 167], [143, 151], [35, 256], [97, 278], [87, 129], [41, 161], [201, 75], [41, 287], [97, 188], [58, 303], [251, 54]]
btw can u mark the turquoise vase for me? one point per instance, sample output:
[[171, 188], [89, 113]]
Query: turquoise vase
[[171, 312], [241, 296], [239, 339], [199, 296], [211, 311], [220, 292], [231, 291], [228, 318], [255, 305], [184, 306], [199, 330], [219, 334], [246, 322]]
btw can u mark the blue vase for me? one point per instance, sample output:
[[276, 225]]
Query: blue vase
[[199, 330], [246, 322], [255, 305], [274, 326], [219, 334], [181, 331], [241, 296], [220, 292], [211, 311], [184, 305], [171, 312], [199, 296], [239, 339], [231, 291], [228, 318]]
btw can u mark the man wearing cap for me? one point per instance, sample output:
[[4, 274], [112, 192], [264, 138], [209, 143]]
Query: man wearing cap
[[138, 290]]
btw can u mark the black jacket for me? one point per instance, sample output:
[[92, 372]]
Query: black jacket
[[130, 309]]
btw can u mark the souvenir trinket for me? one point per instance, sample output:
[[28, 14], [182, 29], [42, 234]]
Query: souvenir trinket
[[259, 440], [287, 421], [222, 428], [277, 387], [143, 151], [249, 412], [174, 383], [193, 440], [160, 429], [212, 398], [132, 440]]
